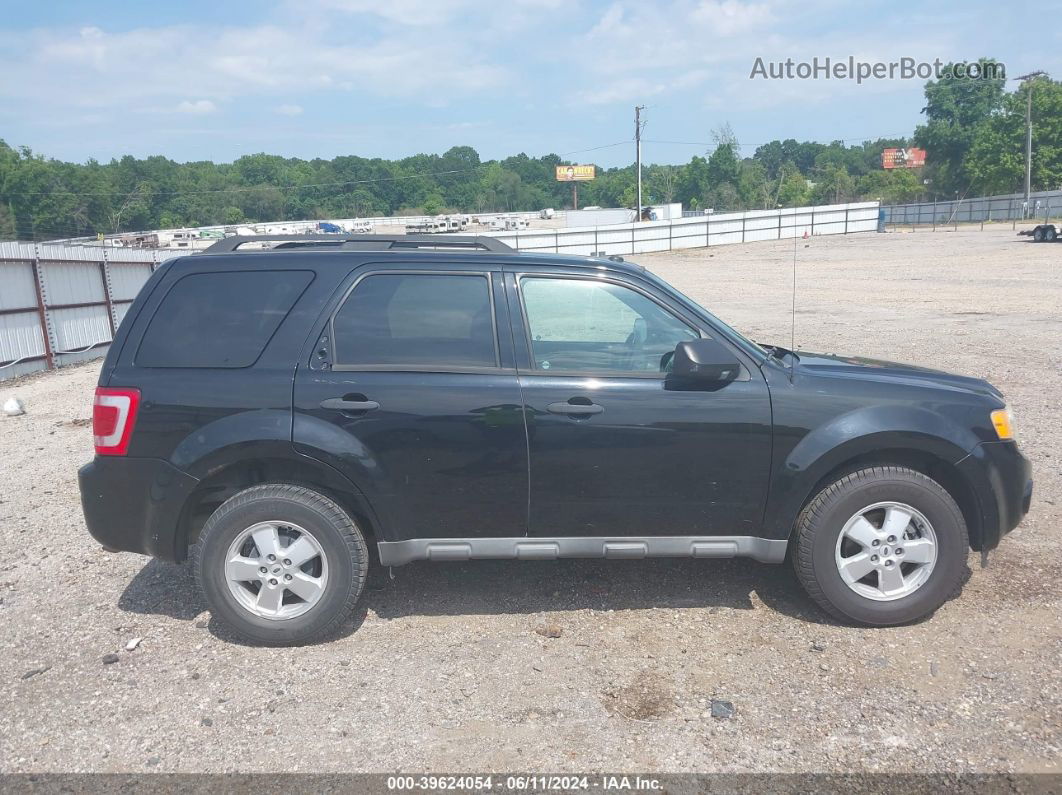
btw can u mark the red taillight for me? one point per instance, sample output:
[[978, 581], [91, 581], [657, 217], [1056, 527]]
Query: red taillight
[[113, 417]]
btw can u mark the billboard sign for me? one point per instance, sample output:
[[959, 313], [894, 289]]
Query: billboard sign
[[575, 173], [903, 158]]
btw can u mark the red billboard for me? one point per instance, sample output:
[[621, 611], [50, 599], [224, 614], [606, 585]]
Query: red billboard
[[903, 158]]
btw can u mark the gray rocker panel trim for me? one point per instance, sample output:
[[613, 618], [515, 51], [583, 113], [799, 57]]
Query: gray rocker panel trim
[[765, 550]]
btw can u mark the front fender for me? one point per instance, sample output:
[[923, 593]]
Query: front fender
[[799, 468]]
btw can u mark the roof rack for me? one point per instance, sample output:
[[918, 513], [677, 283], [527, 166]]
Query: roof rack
[[473, 243]]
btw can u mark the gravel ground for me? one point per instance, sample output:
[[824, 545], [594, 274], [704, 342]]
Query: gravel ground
[[452, 667]]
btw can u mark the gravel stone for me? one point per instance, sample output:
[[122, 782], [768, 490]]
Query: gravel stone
[[722, 709]]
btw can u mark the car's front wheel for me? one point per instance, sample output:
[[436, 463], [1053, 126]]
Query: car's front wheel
[[281, 564], [881, 546]]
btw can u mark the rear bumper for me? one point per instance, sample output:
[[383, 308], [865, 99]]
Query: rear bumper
[[1002, 480], [134, 504]]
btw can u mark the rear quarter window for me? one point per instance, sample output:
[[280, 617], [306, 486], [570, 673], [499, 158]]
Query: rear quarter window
[[222, 319]]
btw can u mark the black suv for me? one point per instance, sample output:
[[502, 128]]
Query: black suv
[[275, 410]]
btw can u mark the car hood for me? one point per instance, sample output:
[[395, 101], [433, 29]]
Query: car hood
[[833, 365]]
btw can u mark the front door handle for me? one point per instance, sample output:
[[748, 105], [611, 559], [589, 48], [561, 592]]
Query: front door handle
[[347, 403], [575, 409]]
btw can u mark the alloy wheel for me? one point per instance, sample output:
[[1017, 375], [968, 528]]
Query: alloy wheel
[[886, 551], [276, 570]]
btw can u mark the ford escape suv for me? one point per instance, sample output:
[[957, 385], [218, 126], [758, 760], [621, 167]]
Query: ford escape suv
[[273, 411]]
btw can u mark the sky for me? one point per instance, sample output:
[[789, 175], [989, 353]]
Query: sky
[[216, 80]]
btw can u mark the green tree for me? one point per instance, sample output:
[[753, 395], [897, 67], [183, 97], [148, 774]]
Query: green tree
[[724, 165], [955, 109], [894, 186], [793, 190], [834, 185], [693, 183], [996, 160]]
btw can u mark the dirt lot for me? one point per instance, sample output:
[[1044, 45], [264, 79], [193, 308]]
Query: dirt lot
[[444, 669]]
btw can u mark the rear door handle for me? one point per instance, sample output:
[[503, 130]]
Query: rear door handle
[[343, 404], [575, 409]]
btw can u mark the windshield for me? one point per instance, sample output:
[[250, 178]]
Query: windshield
[[736, 335]]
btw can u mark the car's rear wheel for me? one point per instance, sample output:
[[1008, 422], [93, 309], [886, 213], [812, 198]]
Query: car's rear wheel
[[281, 564], [881, 546], [1050, 234]]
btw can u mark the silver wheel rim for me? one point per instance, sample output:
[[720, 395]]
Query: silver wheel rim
[[276, 570], [886, 551]]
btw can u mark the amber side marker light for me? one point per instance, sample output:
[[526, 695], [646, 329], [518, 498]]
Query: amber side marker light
[[1002, 422]]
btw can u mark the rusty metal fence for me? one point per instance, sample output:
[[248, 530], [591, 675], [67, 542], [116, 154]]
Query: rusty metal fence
[[60, 304]]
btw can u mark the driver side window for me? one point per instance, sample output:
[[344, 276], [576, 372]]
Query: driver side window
[[589, 325]]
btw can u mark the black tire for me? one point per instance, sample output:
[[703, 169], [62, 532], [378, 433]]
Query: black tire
[[1050, 234], [340, 539], [822, 520], [1038, 234]]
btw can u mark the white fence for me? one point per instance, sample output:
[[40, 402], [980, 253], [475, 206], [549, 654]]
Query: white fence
[[707, 230], [61, 304]]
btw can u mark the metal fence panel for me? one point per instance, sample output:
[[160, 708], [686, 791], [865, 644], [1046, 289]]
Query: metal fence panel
[[20, 337], [71, 282], [80, 328], [17, 289], [127, 279]]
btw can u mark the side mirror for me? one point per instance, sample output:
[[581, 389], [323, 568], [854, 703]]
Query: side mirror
[[704, 360]]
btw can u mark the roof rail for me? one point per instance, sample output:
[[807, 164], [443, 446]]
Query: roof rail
[[474, 243]]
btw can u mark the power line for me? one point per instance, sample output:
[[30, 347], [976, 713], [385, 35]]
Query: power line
[[595, 148], [749, 146]]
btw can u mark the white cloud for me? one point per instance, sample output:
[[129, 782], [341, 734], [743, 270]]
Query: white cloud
[[288, 110], [198, 107], [471, 17], [415, 13], [638, 51], [94, 68]]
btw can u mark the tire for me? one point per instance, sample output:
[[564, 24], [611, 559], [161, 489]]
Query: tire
[[1038, 234], [825, 542], [328, 568], [1050, 234]]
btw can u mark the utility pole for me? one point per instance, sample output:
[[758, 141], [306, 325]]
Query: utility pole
[[638, 154], [1028, 136]]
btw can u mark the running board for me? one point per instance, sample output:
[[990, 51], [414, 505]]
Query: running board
[[765, 550]]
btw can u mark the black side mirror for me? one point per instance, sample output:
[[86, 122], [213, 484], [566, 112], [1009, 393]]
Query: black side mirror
[[704, 360]]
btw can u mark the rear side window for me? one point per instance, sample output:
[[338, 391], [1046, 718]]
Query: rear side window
[[418, 320], [220, 319]]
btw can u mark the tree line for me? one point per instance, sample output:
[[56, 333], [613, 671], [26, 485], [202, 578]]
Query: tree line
[[974, 132]]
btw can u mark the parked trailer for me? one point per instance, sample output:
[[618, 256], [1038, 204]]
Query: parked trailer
[[1043, 233], [440, 224]]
